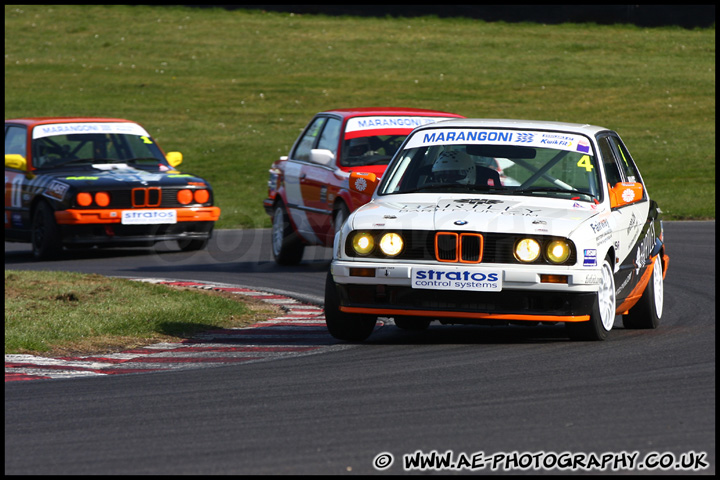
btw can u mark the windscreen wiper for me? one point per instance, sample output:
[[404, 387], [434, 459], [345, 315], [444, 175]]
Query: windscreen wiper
[[552, 190]]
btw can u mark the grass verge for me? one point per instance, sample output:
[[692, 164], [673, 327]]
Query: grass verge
[[60, 313], [233, 89]]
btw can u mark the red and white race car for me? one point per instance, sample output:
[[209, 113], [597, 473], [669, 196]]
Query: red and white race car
[[308, 195]]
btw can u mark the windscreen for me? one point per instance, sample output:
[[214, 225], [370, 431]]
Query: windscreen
[[499, 162], [91, 143], [374, 140]]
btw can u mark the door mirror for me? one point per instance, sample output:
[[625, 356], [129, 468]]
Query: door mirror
[[363, 182], [174, 158], [14, 160], [625, 193], [322, 156]]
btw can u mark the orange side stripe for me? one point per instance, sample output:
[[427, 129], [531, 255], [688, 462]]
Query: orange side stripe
[[451, 314], [95, 216], [636, 293]]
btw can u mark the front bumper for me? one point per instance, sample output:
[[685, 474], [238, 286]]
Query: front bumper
[[268, 204], [104, 227], [525, 294], [114, 216]]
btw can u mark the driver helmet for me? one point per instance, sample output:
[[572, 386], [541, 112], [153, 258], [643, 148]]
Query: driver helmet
[[454, 166], [358, 147]]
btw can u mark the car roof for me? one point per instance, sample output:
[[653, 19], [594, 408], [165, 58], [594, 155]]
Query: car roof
[[368, 111], [518, 124], [45, 120]]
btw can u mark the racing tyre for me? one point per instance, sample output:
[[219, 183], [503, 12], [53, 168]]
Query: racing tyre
[[602, 316], [648, 311], [46, 243], [350, 327], [287, 248], [341, 214]]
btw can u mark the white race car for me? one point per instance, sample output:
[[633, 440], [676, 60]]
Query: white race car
[[501, 221]]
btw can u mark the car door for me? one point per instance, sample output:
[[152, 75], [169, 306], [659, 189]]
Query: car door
[[16, 213], [309, 178], [633, 230]]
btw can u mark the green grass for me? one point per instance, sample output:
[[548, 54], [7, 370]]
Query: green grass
[[51, 313], [232, 89]]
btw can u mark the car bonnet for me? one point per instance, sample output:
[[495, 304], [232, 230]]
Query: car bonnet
[[476, 213]]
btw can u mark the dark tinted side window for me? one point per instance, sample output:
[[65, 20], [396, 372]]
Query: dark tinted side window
[[612, 172], [330, 135], [627, 166], [308, 140], [15, 140]]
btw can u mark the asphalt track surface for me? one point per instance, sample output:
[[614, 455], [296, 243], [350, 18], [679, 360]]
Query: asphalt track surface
[[461, 390]]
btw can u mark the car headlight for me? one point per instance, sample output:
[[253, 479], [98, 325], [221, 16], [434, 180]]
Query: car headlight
[[391, 244], [84, 199], [527, 250], [363, 243], [557, 251]]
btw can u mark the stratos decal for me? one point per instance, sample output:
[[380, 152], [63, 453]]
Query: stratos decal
[[454, 278]]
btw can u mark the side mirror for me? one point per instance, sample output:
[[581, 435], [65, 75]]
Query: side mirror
[[322, 156], [16, 161], [174, 158], [363, 182], [625, 193]]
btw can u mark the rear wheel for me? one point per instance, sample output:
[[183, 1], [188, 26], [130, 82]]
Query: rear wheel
[[602, 316], [648, 311], [287, 247], [350, 327], [46, 243]]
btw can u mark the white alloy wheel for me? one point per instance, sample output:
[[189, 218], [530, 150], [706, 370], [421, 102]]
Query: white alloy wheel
[[657, 280], [606, 297], [287, 248], [278, 230]]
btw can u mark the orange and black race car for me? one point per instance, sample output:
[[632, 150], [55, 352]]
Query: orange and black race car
[[80, 182]]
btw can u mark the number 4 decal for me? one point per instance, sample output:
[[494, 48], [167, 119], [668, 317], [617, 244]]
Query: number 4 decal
[[585, 163]]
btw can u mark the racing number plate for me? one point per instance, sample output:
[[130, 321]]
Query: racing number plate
[[148, 217], [456, 278]]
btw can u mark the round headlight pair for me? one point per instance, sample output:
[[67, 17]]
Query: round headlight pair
[[528, 250], [186, 196], [85, 199], [391, 244]]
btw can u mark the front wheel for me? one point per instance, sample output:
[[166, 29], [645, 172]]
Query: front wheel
[[340, 215], [602, 316], [349, 327], [46, 242], [648, 311]]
